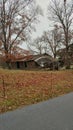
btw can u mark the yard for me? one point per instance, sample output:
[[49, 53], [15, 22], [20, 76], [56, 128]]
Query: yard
[[19, 88]]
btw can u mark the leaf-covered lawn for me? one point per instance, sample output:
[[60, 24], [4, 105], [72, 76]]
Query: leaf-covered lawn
[[20, 88]]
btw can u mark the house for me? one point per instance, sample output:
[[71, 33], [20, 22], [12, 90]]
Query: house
[[32, 62], [25, 62], [23, 59]]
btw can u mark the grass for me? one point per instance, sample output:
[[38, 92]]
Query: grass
[[20, 88]]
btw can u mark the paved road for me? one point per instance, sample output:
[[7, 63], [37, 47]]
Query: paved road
[[55, 114]]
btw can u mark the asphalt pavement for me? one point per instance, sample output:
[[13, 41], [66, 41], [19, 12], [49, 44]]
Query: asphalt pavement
[[54, 114]]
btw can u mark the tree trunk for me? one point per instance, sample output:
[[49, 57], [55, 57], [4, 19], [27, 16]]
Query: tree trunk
[[67, 59], [8, 60]]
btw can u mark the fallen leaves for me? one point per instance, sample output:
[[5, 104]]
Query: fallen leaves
[[29, 87]]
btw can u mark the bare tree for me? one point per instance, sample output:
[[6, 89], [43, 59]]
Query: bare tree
[[16, 16], [49, 42], [38, 46], [61, 12], [53, 38]]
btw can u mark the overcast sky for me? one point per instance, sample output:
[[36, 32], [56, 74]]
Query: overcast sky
[[44, 23]]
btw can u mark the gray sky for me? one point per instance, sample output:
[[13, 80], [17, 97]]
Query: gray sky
[[44, 23]]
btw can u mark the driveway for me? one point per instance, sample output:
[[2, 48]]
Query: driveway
[[55, 114]]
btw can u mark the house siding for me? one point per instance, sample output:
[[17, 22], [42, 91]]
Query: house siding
[[23, 65]]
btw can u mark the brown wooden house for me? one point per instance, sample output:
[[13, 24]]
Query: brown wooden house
[[26, 62], [32, 62]]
